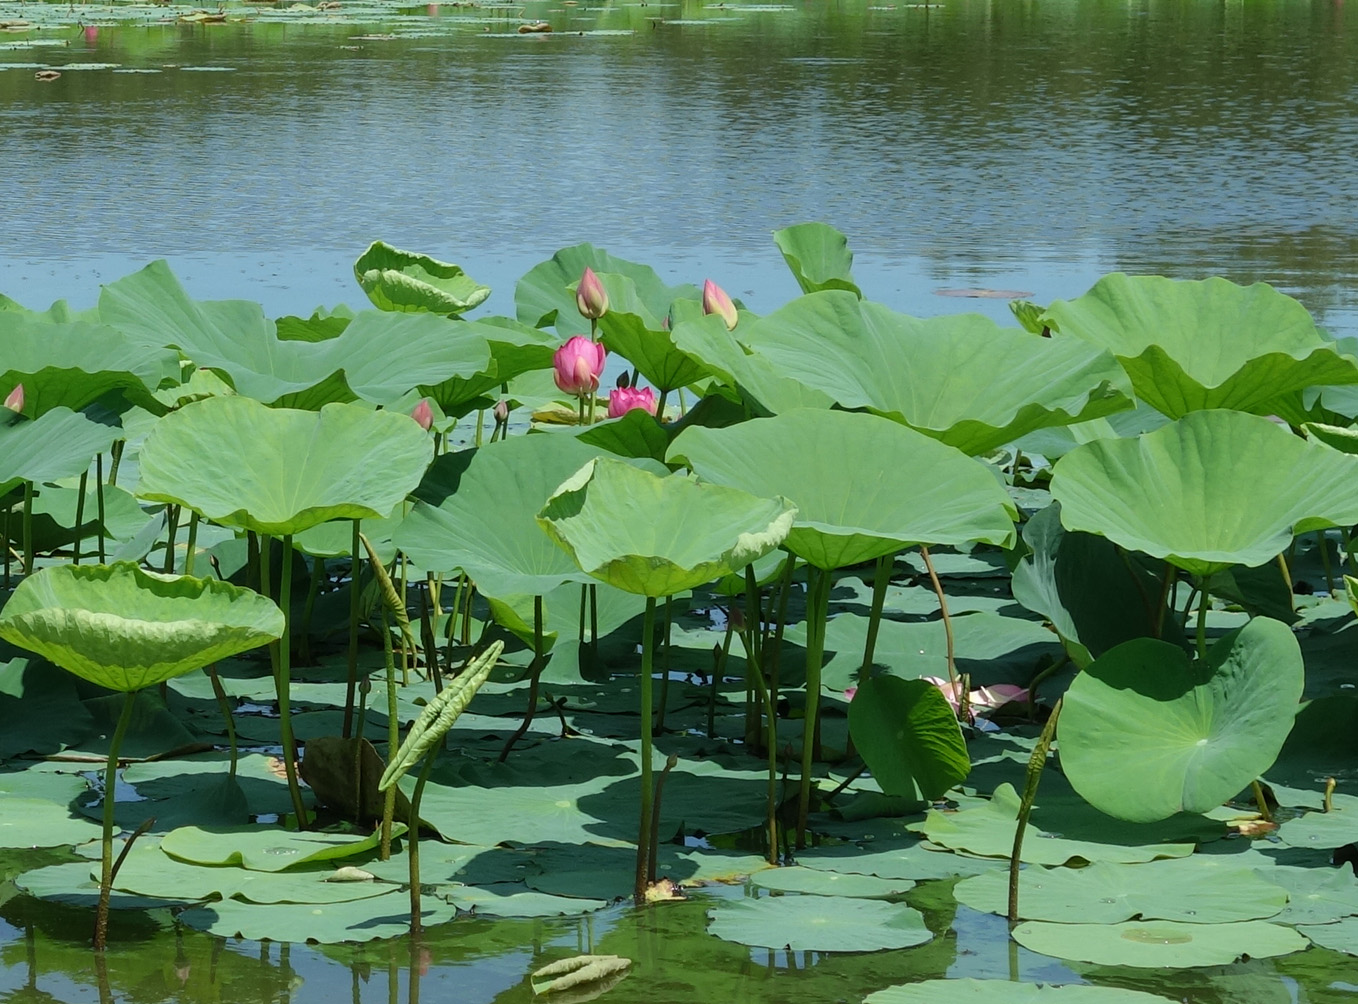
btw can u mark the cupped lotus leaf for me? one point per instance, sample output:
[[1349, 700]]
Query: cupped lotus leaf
[[727, 354], [406, 281], [1181, 492], [328, 923], [1191, 345], [1159, 944], [659, 536], [988, 830], [818, 256], [1198, 889], [969, 991], [817, 882], [302, 468], [73, 364], [478, 512], [263, 848], [818, 924], [853, 504], [1340, 937], [630, 330], [60, 443], [123, 628], [908, 736], [545, 296], [961, 378], [1146, 733]]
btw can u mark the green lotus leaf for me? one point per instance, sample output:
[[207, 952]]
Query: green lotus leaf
[[1181, 492], [660, 535], [817, 882], [818, 256], [908, 736], [41, 822], [1323, 829], [405, 281], [1340, 937], [385, 916], [511, 900], [636, 435], [301, 468], [969, 991], [1159, 944], [631, 331], [1198, 889], [850, 506], [322, 325], [478, 512], [71, 883], [962, 378], [1205, 344], [1314, 895], [74, 364], [918, 861], [262, 848], [727, 354], [514, 349], [1333, 436], [818, 924], [123, 628], [545, 296], [60, 443], [1146, 733], [592, 871]]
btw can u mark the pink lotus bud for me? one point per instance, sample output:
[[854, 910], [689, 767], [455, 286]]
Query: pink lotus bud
[[91, 34], [577, 366], [502, 411], [591, 299], [621, 400], [423, 414], [715, 301], [15, 401]]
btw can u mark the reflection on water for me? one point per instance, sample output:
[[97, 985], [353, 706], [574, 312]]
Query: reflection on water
[[1022, 145]]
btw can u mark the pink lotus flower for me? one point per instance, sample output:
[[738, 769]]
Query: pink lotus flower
[[621, 400], [15, 401], [423, 414], [715, 301], [578, 364], [591, 299], [983, 698]]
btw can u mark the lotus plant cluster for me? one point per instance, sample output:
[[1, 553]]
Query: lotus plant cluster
[[861, 543]]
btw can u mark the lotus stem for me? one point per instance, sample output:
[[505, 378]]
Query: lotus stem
[[947, 621], [1323, 541], [720, 653], [283, 671], [818, 596], [671, 762], [1261, 801], [1346, 535], [79, 516], [480, 426], [428, 597], [252, 577], [1204, 601], [225, 705], [453, 615], [413, 839], [1166, 592], [535, 674], [9, 509], [643, 827], [1036, 762], [660, 406], [115, 453], [28, 528], [881, 578], [172, 521], [665, 669], [773, 657], [99, 500], [771, 736], [140, 831], [393, 735], [355, 609], [191, 546], [594, 624], [752, 637], [1327, 804], [110, 798], [683, 407]]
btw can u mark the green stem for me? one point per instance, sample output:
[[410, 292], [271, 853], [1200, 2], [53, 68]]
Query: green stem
[[225, 705], [683, 407], [313, 589], [191, 546], [660, 406], [771, 736], [665, 669], [947, 621], [1035, 764], [718, 671], [643, 828], [110, 798], [99, 499], [285, 681], [116, 453], [881, 578], [79, 516], [393, 735], [480, 426], [535, 674], [818, 595], [1324, 543], [1203, 604], [413, 843], [173, 521], [9, 511], [355, 609], [28, 528]]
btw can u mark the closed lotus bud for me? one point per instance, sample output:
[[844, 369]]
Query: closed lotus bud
[[502, 411], [423, 414], [577, 364], [624, 399], [15, 401], [591, 299], [624, 380], [715, 301]]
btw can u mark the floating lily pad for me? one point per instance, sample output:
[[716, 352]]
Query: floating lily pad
[[265, 849], [1159, 944], [1199, 889], [969, 991], [818, 924], [362, 920], [512, 900], [599, 872], [1315, 895], [917, 861], [74, 884], [37, 822], [1323, 829], [1340, 937], [818, 882]]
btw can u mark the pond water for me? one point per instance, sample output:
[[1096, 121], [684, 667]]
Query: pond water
[[969, 145]]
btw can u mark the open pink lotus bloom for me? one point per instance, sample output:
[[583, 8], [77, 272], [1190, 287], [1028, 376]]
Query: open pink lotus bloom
[[577, 366], [984, 698], [621, 400]]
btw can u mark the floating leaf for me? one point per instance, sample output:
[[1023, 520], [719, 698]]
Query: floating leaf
[[1314, 895], [264, 849], [1340, 937], [969, 991], [817, 882], [1159, 944], [818, 924], [364, 920]]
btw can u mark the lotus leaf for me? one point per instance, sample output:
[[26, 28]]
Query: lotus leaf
[[506, 900], [817, 882], [361, 920], [631, 331], [303, 468], [1146, 733], [818, 256], [962, 379], [917, 860], [908, 736], [818, 924], [1340, 937], [263, 849], [405, 281], [1324, 829], [969, 991], [60, 443], [40, 822], [1159, 944], [545, 296], [1206, 344], [71, 883], [123, 628], [1314, 895], [1198, 889], [1180, 493], [851, 508], [727, 355], [659, 536], [594, 871]]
